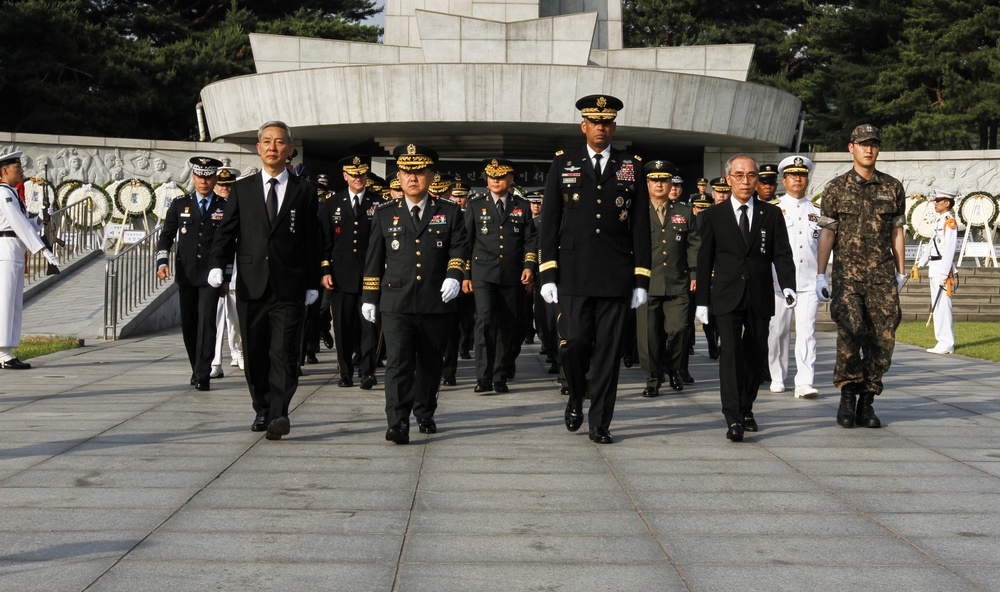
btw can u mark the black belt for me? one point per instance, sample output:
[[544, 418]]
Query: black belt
[[938, 258], [8, 234]]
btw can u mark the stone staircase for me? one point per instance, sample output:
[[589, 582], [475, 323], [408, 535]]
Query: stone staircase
[[977, 298]]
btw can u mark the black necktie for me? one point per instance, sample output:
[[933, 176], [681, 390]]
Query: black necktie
[[357, 201], [204, 206], [597, 164], [415, 213], [500, 208], [272, 200], [745, 224]]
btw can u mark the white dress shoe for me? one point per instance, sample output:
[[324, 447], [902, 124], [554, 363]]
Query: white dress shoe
[[216, 372], [235, 363], [805, 391], [777, 387], [240, 361], [939, 349]]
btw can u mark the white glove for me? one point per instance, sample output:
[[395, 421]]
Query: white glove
[[311, 296], [368, 312], [822, 287], [639, 296], [50, 257], [789, 294], [550, 293], [215, 277], [701, 313], [923, 256], [900, 280], [449, 289]]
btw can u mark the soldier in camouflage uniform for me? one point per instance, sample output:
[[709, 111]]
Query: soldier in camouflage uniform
[[862, 217]]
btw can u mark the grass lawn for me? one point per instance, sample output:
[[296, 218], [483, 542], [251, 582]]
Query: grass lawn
[[976, 340], [34, 346]]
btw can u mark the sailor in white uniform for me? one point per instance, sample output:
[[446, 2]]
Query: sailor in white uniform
[[939, 257]]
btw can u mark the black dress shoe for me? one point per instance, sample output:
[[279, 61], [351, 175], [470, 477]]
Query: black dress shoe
[[450, 381], [427, 426], [713, 352], [399, 433], [686, 377], [368, 381], [627, 360], [277, 428], [465, 355], [483, 387], [749, 423], [202, 385], [573, 416], [601, 436], [345, 381], [675, 381], [500, 387], [564, 390], [259, 424], [554, 368], [691, 351], [735, 432], [194, 381], [327, 339], [14, 364], [311, 359], [650, 392]]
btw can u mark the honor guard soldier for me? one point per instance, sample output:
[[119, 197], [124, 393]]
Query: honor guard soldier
[[863, 217], [802, 222], [702, 186], [345, 221], [595, 254], [415, 263], [192, 220], [662, 321], [939, 257], [463, 323], [227, 324], [503, 261], [767, 184], [18, 235]]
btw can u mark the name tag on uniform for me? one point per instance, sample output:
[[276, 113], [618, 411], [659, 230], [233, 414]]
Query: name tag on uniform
[[486, 218], [881, 197], [185, 214], [394, 229]]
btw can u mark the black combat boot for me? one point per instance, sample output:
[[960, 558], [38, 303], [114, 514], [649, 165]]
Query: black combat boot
[[865, 415], [845, 414]]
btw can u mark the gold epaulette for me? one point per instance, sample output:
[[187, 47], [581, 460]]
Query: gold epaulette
[[324, 264], [643, 271], [456, 263], [372, 284], [637, 157], [530, 257], [559, 152], [548, 265]]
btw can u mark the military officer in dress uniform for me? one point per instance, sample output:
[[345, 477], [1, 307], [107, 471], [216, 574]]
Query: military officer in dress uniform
[[939, 257], [395, 189], [18, 235], [721, 190], [192, 220], [503, 261], [677, 190], [662, 321], [698, 205], [702, 185], [767, 183], [595, 253], [345, 221], [463, 323], [441, 186], [227, 324], [413, 272], [802, 223]]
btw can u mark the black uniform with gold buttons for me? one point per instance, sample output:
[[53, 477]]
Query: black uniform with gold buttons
[[595, 246], [503, 248]]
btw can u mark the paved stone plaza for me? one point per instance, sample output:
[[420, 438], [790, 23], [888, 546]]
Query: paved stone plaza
[[115, 475]]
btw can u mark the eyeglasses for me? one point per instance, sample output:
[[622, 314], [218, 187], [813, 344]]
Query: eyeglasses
[[740, 177]]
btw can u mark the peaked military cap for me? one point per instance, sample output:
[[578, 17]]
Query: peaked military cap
[[720, 184], [941, 195], [356, 164], [323, 179], [599, 107], [228, 175], [11, 158], [866, 132], [375, 182], [205, 166], [460, 189], [498, 167], [703, 202], [440, 184], [534, 196], [795, 164], [291, 157], [660, 170], [677, 180], [702, 181], [768, 174], [413, 157]]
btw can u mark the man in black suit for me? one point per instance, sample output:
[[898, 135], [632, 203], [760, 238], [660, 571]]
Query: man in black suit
[[196, 216], [345, 220], [595, 257], [503, 261], [741, 239], [416, 259], [270, 224]]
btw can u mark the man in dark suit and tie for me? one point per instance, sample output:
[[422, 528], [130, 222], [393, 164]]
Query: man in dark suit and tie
[[741, 239], [594, 262], [416, 259], [345, 221], [271, 225], [192, 220]]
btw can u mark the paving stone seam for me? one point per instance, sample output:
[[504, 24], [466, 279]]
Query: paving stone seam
[[408, 532]]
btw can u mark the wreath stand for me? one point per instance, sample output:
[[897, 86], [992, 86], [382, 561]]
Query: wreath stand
[[979, 210]]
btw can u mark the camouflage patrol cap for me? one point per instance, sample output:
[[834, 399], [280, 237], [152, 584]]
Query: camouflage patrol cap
[[866, 132]]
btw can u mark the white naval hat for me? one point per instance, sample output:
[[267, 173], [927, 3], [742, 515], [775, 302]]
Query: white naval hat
[[795, 164], [942, 194], [11, 158]]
